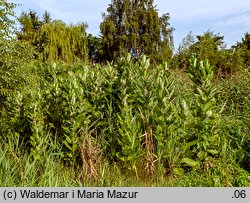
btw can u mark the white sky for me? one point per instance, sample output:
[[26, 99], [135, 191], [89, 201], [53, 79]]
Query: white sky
[[230, 18]]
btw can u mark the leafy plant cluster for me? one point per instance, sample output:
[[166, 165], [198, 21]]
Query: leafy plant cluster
[[128, 113]]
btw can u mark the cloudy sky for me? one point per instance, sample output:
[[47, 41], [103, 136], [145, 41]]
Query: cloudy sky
[[230, 18]]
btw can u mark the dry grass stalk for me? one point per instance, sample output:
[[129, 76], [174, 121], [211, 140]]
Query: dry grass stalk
[[90, 154], [150, 151]]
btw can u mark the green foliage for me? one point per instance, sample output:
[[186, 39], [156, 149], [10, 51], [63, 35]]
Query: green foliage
[[46, 38], [243, 49], [202, 139], [72, 48], [129, 115], [235, 105], [46, 17], [180, 59], [6, 25], [36, 120], [94, 48], [13, 54], [135, 27], [30, 25], [147, 113], [14, 66], [208, 46], [130, 137]]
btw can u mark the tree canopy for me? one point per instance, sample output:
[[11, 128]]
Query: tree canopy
[[54, 40], [13, 53], [6, 24], [243, 48], [134, 26], [208, 46]]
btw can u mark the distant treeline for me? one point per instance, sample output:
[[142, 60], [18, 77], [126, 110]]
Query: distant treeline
[[133, 27]]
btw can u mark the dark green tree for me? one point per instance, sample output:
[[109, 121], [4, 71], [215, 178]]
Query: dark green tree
[[94, 46], [30, 24], [46, 17], [243, 48], [208, 46], [134, 26]]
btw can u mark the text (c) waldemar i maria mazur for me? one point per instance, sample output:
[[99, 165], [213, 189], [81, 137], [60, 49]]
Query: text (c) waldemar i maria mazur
[[78, 194]]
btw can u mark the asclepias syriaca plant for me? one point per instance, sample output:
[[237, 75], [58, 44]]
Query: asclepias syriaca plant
[[203, 141]]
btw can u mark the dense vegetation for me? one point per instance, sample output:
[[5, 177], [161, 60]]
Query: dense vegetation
[[135, 119]]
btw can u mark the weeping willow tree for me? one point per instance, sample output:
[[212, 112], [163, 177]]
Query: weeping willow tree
[[54, 40], [61, 42]]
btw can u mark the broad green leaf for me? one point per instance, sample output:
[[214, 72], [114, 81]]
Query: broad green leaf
[[212, 151], [201, 154], [178, 171], [189, 162]]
